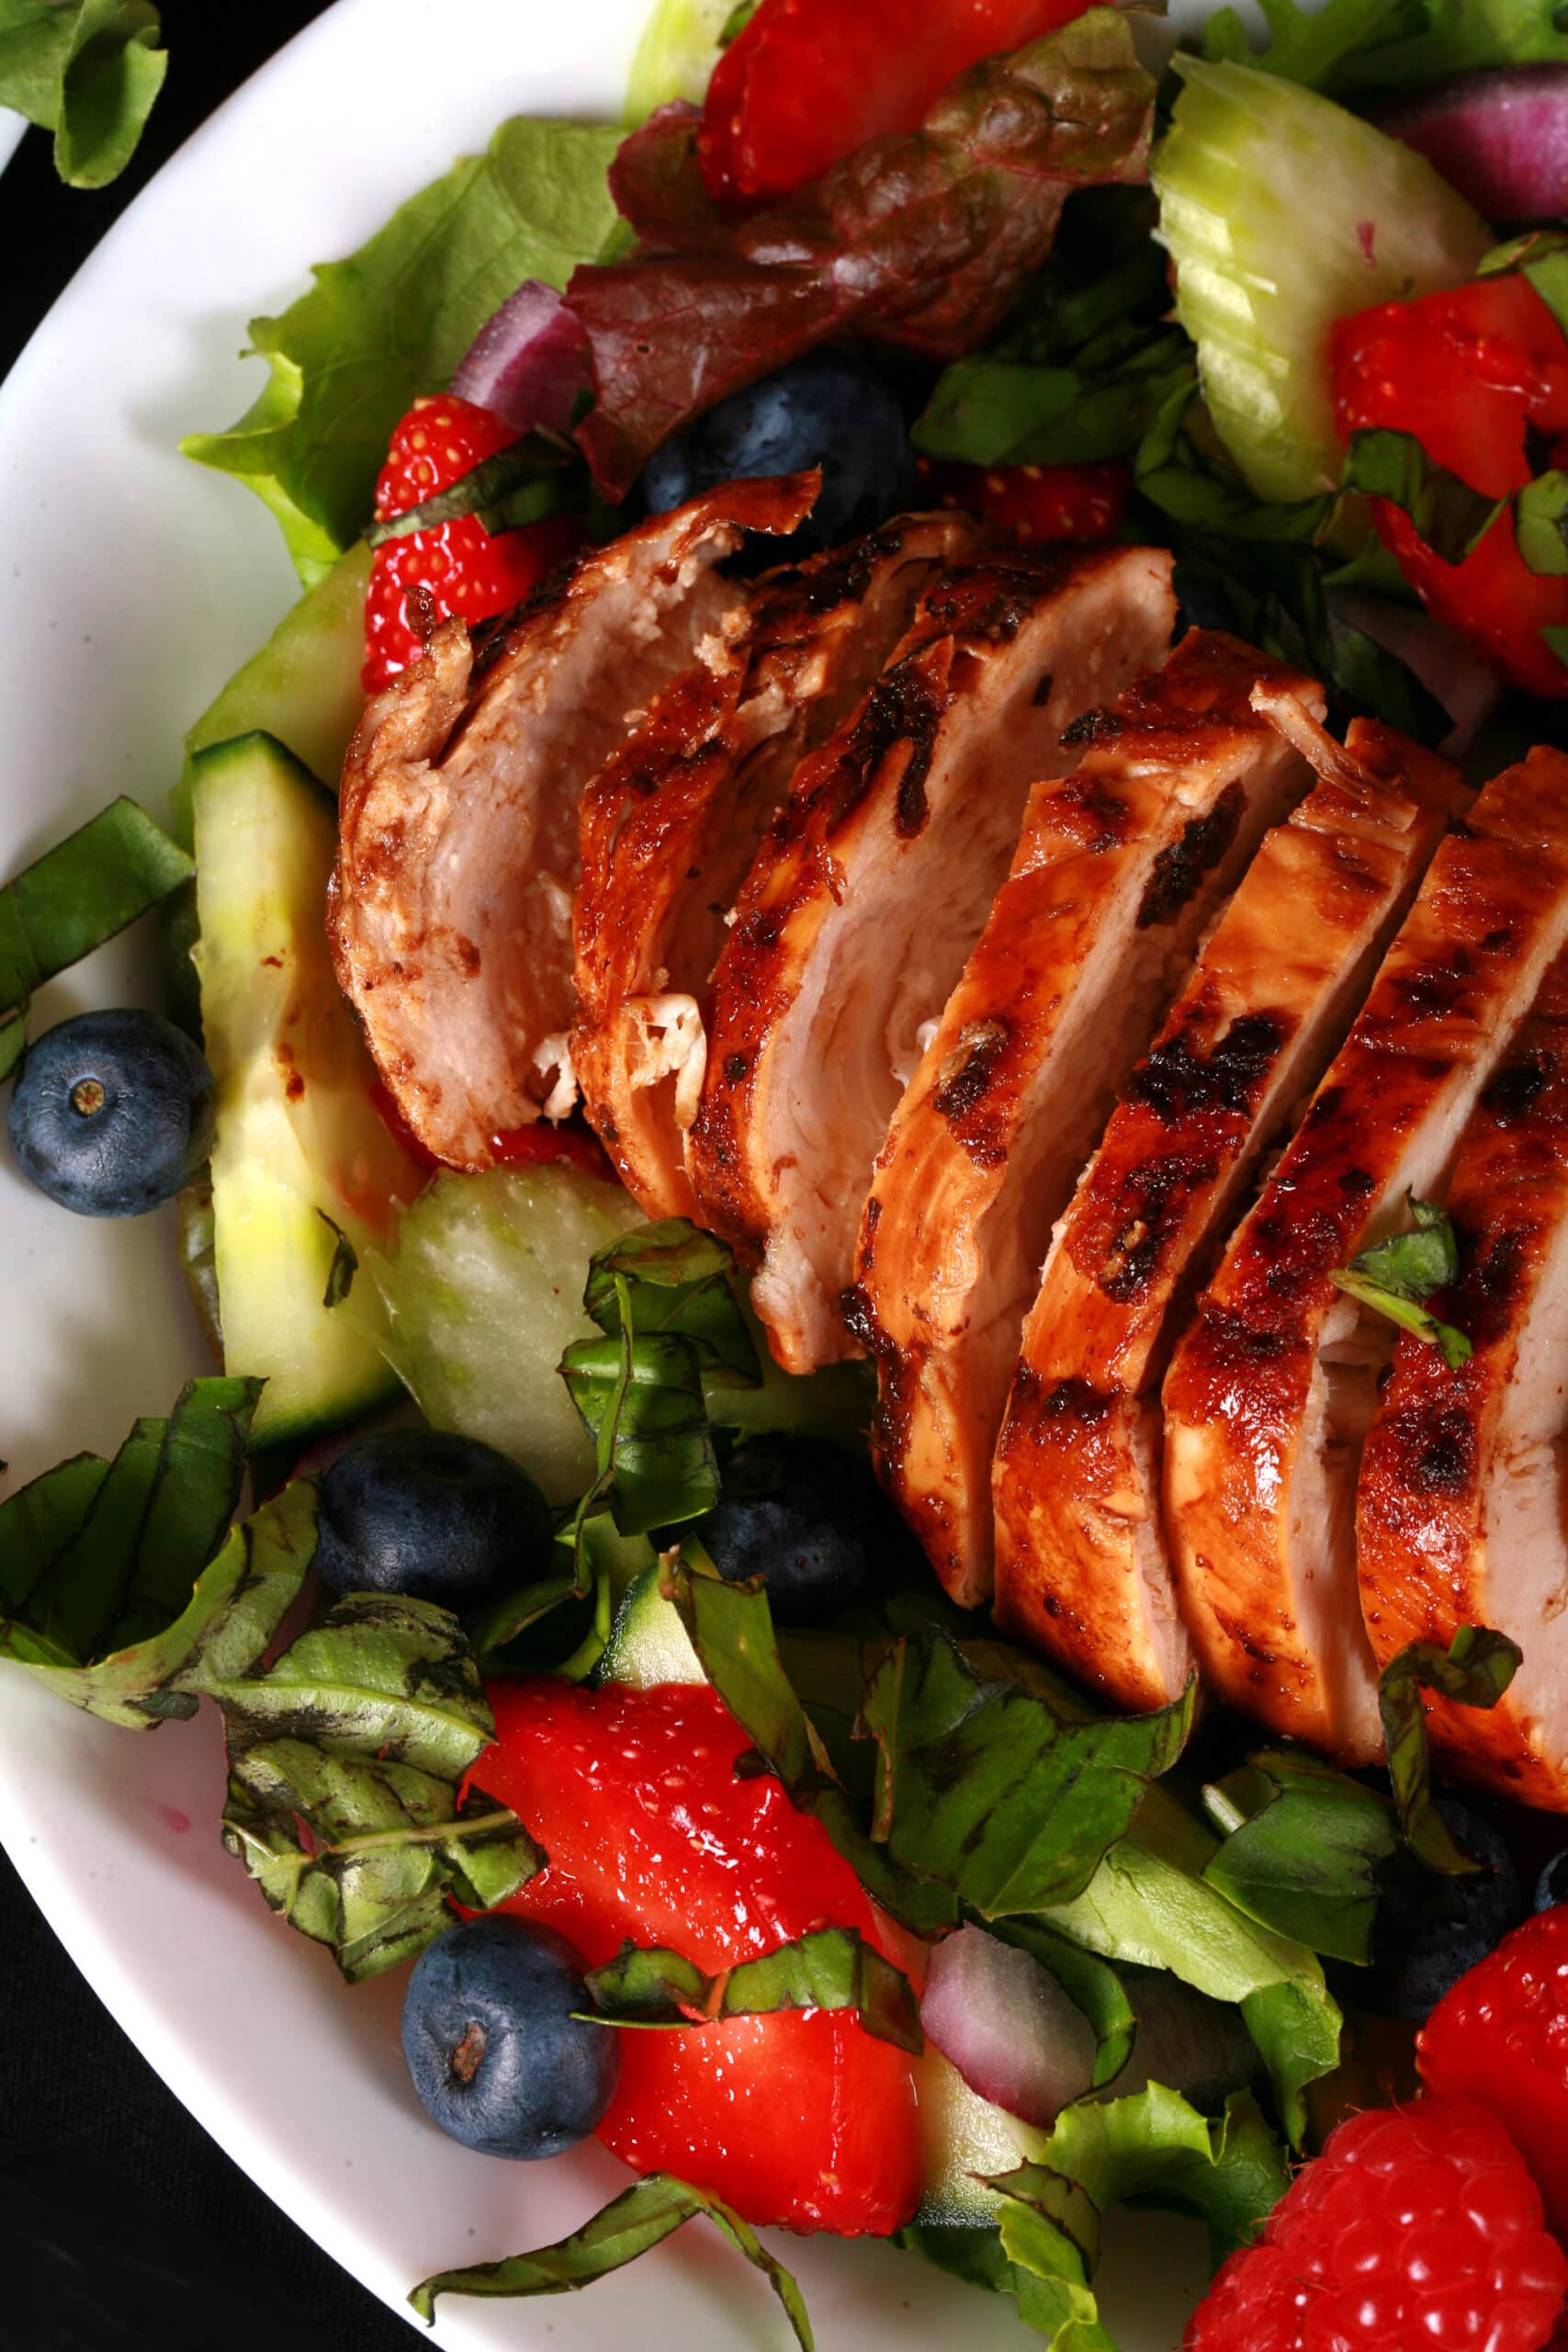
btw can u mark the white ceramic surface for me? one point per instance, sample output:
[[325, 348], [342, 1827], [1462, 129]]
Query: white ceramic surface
[[11, 128], [131, 584]]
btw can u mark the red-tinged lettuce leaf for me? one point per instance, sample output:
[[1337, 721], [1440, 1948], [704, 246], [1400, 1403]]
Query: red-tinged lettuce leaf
[[831, 1968], [920, 241], [651, 2210]]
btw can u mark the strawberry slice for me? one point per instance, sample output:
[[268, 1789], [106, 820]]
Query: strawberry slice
[[458, 567], [801, 2118], [1032, 503], [807, 81]]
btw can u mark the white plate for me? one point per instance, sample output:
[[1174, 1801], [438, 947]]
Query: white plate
[[131, 584]]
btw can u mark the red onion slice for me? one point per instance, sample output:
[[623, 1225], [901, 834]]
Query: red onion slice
[[1005, 2023], [528, 362], [1451, 671], [1500, 137]]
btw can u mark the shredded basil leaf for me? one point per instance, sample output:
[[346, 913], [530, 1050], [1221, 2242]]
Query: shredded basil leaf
[[831, 1968], [1449, 515], [1394, 1277], [1473, 1671]]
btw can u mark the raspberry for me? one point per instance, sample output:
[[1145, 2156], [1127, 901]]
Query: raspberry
[[1501, 2036], [458, 567], [1418, 2227]]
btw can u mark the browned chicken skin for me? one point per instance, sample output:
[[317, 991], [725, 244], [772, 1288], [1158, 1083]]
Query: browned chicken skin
[[870, 892], [1273, 1385], [1082, 1569], [672, 824], [1460, 1514], [1117, 873], [450, 913]]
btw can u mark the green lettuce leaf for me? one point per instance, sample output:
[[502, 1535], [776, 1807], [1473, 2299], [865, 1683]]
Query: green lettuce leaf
[[651, 2210], [1461, 36], [87, 70], [71, 899], [831, 1968], [393, 320], [1473, 1671], [1302, 1847], [1320, 47], [346, 1757], [985, 1788], [1150, 1905]]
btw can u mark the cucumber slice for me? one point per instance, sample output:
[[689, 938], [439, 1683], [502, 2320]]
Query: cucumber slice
[[298, 1136], [648, 1644], [676, 55], [964, 2135], [483, 1296], [303, 687], [1283, 213]]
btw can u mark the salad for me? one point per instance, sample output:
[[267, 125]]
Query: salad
[[880, 1202]]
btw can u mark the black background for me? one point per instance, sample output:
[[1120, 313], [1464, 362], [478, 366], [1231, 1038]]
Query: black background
[[123, 2228]]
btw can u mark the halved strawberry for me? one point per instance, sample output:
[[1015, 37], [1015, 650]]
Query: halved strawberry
[[1033, 503], [802, 2119], [458, 567], [810, 80]]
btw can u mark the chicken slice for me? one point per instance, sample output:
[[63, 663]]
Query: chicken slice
[[1272, 1389], [671, 826], [1117, 871], [1463, 1508], [450, 911], [1082, 1567], [869, 892]]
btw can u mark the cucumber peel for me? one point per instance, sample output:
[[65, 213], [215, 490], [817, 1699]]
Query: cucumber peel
[[1282, 212]]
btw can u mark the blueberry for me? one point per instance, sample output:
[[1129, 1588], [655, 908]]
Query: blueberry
[[437, 1517], [1552, 1886], [1431, 1929], [496, 2054], [828, 410], [1203, 601], [806, 1518], [112, 1112]]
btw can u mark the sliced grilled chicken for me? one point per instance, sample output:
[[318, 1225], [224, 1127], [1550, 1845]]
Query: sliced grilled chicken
[[1116, 874], [869, 892], [1082, 1567], [671, 826], [1272, 1389], [450, 913], [1461, 1508]]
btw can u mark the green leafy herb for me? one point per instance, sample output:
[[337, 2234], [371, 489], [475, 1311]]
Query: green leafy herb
[[651, 2210], [393, 320], [73, 898], [346, 1758], [345, 1264], [231, 1608], [1302, 1847], [522, 484], [1396, 1277], [1556, 637], [677, 1281], [737, 21], [731, 1630], [1540, 524], [1473, 1671], [985, 1788], [640, 1396], [87, 70], [1542, 256], [831, 1968], [1448, 515], [1150, 1905]]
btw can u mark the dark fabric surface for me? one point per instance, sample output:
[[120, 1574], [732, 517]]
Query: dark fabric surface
[[123, 2227]]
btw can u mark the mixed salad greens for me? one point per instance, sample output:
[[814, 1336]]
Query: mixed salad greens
[[1037, 274]]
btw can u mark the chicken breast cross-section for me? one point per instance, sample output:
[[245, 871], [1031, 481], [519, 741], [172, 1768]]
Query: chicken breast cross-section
[[450, 911], [1273, 1387], [869, 892], [1463, 1510], [1083, 1571], [1117, 872], [672, 824]]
